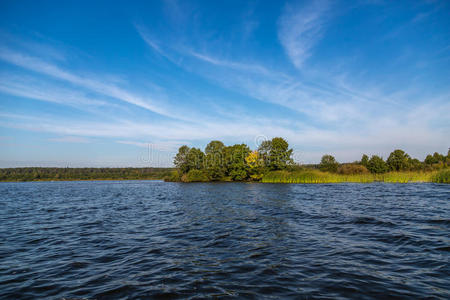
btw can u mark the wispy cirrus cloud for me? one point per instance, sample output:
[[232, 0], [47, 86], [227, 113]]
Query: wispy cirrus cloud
[[202, 80], [28, 87], [40, 66], [301, 27], [71, 139]]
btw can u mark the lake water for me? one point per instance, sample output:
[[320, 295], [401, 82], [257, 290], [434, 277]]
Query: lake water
[[138, 239]]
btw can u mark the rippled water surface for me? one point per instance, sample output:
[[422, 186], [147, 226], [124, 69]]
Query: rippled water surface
[[150, 239]]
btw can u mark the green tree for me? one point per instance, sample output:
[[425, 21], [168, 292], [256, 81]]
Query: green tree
[[328, 163], [214, 147], [264, 152], [276, 153], [364, 160], [415, 164], [214, 160], [377, 165], [438, 157], [235, 163], [429, 160], [196, 159], [398, 160], [181, 159]]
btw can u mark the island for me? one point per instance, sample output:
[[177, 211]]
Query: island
[[272, 163]]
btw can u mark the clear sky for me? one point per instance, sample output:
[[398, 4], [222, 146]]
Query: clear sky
[[112, 83]]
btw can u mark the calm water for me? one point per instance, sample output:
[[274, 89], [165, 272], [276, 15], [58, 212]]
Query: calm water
[[144, 239]]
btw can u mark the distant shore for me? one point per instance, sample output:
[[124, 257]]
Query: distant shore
[[305, 176], [79, 174]]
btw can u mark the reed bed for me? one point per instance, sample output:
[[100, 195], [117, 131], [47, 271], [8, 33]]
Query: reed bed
[[315, 176], [442, 176]]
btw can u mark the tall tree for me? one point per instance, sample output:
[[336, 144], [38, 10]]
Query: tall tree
[[196, 159], [398, 160], [214, 160], [276, 153], [328, 163], [181, 159], [364, 160], [236, 165], [377, 165]]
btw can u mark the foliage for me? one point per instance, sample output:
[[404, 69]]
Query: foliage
[[195, 176], [276, 153], [253, 160], [195, 159], [442, 177], [214, 147], [235, 163], [174, 176], [214, 160], [398, 160], [415, 165], [273, 160], [38, 174], [181, 159], [377, 165], [364, 160], [347, 169], [328, 164]]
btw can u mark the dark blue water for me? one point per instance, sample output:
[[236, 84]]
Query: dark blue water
[[144, 239]]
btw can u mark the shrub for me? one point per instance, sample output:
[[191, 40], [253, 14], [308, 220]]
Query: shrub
[[195, 176], [173, 177], [350, 169], [328, 164], [376, 165]]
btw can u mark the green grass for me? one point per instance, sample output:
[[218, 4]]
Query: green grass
[[315, 176], [442, 176]]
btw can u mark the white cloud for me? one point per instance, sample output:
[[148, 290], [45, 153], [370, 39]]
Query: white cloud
[[104, 88], [35, 89], [71, 139], [300, 28]]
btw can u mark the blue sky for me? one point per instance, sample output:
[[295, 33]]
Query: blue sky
[[101, 83]]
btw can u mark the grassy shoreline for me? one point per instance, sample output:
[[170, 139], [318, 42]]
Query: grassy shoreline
[[315, 176], [307, 176]]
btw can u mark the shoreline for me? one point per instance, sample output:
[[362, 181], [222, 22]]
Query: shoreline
[[300, 177], [217, 181], [69, 180]]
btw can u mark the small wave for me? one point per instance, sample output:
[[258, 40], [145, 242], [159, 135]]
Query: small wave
[[439, 221], [371, 221]]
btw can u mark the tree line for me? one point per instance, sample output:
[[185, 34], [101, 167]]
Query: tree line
[[238, 162], [398, 160], [34, 174]]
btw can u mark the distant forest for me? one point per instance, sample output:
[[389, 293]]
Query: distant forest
[[36, 174]]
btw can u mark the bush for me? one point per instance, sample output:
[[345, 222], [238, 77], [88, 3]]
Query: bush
[[195, 176], [173, 177], [350, 169], [377, 165], [328, 164]]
